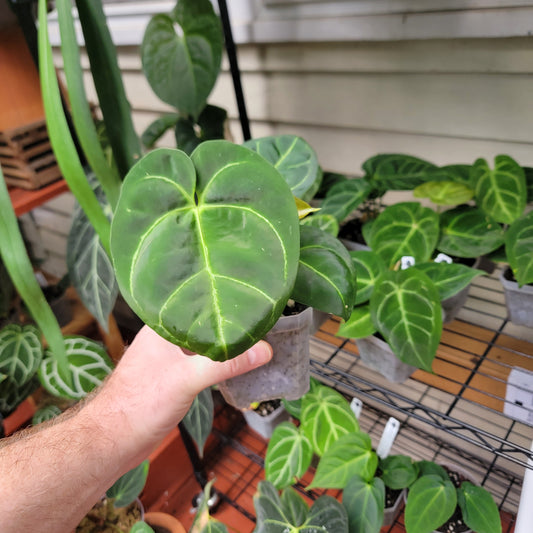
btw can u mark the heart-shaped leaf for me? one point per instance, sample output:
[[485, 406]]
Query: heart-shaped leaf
[[406, 310], [11, 395], [294, 158], [405, 228], [326, 416], [359, 325], [429, 468], [129, 486], [206, 249], [88, 362], [468, 232], [350, 455], [501, 192], [326, 275], [368, 267], [458, 173], [444, 192], [519, 248], [398, 471], [21, 352], [288, 455], [449, 278], [364, 502], [182, 66], [327, 223], [158, 128], [430, 502], [199, 419], [479, 510], [345, 197]]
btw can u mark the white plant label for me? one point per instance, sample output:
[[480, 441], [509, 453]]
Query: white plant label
[[407, 261]]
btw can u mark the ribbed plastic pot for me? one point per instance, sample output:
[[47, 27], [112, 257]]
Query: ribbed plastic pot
[[518, 300]]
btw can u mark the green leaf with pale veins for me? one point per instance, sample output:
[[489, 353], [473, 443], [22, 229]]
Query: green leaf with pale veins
[[479, 510], [444, 192], [368, 267], [364, 502], [199, 419], [359, 325], [345, 197], [519, 248]]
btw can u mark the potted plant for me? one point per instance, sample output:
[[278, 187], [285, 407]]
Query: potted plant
[[263, 417]]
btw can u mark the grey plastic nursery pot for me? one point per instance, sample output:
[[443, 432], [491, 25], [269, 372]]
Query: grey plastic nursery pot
[[518, 300], [391, 513], [265, 425], [287, 373]]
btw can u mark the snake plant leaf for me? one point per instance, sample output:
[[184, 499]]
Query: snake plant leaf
[[359, 325], [129, 486], [364, 502], [398, 171], [398, 471], [158, 128], [199, 419], [344, 197], [11, 395], [326, 416], [406, 310], [288, 455], [295, 159], [89, 365], [182, 64], [327, 223], [206, 248], [449, 278], [45, 413], [444, 192], [469, 232], [90, 268], [431, 501], [519, 248], [349, 456], [326, 275], [480, 512], [21, 352], [406, 228], [368, 267], [501, 192]]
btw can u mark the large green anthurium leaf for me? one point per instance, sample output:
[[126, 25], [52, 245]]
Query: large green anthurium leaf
[[129, 486], [444, 192], [295, 159], [449, 278], [326, 275], [368, 267], [430, 502], [468, 232], [359, 325], [199, 419], [405, 228], [350, 455], [90, 268], [406, 309], [206, 248], [88, 363], [458, 173], [519, 248], [429, 468], [288, 455], [326, 416], [290, 514], [182, 66], [398, 471], [21, 352], [398, 171], [501, 192], [11, 395], [327, 223], [344, 197], [479, 510], [364, 502]]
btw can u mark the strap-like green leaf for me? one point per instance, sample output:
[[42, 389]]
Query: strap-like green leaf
[[364, 502], [479, 510], [199, 419], [129, 486], [345, 197], [519, 248]]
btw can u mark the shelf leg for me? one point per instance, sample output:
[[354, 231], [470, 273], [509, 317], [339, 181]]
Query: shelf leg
[[524, 517]]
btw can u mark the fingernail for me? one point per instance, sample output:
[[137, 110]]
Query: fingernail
[[259, 354]]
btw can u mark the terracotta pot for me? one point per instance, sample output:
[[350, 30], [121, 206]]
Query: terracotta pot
[[163, 523]]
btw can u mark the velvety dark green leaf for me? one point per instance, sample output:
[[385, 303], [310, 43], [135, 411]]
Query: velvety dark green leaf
[[199, 419], [468, 232], [430, 502], [350, 455], [182, 67], [11, 395], [519, 248], [405, 228], [158, 128], [444, 192], [326, 416], [206, 249], [21, 352], [45, 413], [528, 171], [288, 455], [429, 468], [326, 275], [88, 362], [398, 471], [500, 192], [479, 510], [397, 171], [368, 267], [328, 180], [327, 515], [364, 502], [295, 159], [406, 309], [327, 223], [344, 197], [129, 486], [449, 278], [458, 173]]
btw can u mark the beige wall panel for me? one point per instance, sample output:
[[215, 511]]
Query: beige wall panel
[[54, 242], [51, 220]]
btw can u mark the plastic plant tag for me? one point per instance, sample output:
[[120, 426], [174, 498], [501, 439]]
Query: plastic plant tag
[[443, 258], [407, 261], [356, 406], [387, 438]]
